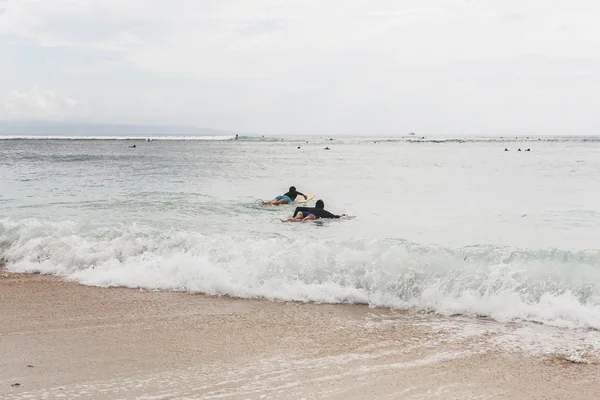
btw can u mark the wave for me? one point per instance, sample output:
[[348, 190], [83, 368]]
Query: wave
[[142, 138], [554, 287], [312, 139], [487, 139]]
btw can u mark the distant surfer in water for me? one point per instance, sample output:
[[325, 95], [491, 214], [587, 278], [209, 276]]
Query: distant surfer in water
[[286, 198], [312, 213]]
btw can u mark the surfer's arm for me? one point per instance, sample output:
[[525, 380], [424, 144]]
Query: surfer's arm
[[302, 194], [327, 214]]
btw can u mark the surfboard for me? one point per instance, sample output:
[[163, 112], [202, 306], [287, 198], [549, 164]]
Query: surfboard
[[300, 199]]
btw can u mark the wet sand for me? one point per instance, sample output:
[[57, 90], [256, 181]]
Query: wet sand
[[63, 340]]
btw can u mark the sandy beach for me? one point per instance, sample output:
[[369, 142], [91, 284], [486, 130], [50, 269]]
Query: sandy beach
[[65, 340]]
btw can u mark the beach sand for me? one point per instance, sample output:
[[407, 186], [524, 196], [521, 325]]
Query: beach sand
[[60, 339]]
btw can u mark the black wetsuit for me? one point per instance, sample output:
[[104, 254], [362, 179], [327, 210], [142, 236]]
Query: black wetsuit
[[317, 212], [293, 195]]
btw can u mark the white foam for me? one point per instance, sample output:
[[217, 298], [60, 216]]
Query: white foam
[[118, 137], [550, 287]]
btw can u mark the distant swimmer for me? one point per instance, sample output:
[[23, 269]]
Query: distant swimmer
[[326, 148], [133, 147], [519, 150], [236, 137], [312, 213], [286, 198], [505, 149], [528, 150]]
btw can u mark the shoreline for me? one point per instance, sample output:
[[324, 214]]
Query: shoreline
[[63, 339]]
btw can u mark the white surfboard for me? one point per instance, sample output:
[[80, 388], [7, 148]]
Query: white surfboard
[[300, 199]]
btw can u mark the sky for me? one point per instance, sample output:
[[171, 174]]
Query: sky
[[367, 67]]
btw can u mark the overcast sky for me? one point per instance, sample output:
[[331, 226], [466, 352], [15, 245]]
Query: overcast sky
[[306, 67]]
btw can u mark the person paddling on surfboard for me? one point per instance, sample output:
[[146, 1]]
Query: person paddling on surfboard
[[312, 213], [287, 198]]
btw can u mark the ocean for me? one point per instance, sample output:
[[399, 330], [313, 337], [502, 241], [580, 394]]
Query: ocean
[[449, 226]]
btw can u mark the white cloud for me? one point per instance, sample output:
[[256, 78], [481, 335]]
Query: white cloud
[[93, 24], [339, 66], [36, 103]]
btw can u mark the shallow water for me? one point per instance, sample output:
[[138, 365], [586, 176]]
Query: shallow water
[[457, 226]]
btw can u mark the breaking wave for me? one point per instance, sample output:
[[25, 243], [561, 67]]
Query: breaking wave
[[554, 287]]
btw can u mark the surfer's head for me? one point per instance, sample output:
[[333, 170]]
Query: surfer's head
[[319, 204], [292, 189]]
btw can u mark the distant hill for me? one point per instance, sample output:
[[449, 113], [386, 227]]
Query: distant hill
[[97, 129]]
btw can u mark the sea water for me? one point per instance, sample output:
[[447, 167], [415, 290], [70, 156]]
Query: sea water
[[453, 226]]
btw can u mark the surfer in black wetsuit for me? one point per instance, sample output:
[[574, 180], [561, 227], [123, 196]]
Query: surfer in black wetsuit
[[312, 213], [286, 198]]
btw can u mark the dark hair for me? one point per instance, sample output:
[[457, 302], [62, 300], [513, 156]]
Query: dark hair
[[319, 204], [292, 188]]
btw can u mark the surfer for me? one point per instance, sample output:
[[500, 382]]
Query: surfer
[[312, 213], [286, 198]]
